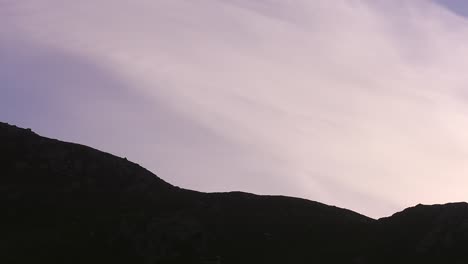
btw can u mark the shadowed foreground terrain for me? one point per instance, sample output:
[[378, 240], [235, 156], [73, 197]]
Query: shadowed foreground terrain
[[67, 203]]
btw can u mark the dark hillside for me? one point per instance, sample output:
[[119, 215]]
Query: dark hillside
[[68, 203]]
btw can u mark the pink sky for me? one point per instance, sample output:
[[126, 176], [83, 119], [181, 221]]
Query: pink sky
[[359, 104]]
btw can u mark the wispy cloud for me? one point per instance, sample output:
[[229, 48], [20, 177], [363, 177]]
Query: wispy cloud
[[361, 104]]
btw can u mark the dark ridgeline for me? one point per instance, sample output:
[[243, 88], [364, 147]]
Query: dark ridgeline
[[68, 203]]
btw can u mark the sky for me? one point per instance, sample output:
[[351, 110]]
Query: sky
[[354, 103]]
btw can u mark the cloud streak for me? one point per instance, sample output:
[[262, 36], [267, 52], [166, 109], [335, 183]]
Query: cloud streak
[[361, 104]]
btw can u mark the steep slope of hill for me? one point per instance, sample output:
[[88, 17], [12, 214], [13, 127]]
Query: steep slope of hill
[[424, 234], [68, 203]]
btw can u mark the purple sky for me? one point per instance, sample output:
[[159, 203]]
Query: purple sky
[[359, 104], [459, 7]]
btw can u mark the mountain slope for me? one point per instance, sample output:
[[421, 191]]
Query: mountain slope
[[68, 203], [424, 234]]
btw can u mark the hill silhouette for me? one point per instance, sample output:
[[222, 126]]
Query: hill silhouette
[[68, 203]]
